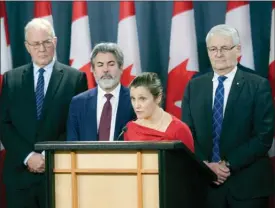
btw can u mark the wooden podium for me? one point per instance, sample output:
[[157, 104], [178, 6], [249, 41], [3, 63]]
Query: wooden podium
[[124, 175]]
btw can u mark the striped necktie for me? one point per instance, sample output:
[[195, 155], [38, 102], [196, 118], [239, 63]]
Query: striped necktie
[[218, 119], [39, 93]]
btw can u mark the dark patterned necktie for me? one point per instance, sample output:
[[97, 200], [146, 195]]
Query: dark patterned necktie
[[39, 93], [218, 119], [105, 120]]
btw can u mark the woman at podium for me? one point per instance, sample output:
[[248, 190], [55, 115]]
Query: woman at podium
[[153, 123]]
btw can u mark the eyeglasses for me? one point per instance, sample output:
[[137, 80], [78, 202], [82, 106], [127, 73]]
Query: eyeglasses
[[223, 49], [46, 43]]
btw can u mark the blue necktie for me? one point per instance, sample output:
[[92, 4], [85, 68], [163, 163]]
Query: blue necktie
[[217, 119], [39, 93]]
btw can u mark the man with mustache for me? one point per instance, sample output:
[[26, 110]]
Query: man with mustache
[[100, 114]]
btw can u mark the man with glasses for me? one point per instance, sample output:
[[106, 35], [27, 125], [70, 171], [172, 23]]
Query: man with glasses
[[231, 116], [34, 107]]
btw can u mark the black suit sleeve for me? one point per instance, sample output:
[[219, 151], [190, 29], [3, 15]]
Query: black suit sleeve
[[262, 134], [81, 86], [186, 111], [11, 139], [82, 83], [187, 118]]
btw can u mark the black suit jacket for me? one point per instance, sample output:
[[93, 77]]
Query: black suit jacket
[[20, 129], [247, 131]]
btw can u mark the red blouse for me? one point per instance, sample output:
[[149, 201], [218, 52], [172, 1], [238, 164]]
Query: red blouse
[[177, 130]]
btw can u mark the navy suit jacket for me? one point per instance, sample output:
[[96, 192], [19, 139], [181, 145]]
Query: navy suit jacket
[[82, 120]]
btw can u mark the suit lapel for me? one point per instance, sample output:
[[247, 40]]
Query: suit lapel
[[208, 102], [122, 106], [56, 77], [91, 116], [236, 88], [28, 93]]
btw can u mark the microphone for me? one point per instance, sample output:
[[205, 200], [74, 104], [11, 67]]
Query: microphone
[[124, 129]]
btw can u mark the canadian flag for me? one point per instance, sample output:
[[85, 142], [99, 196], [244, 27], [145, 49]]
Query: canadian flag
[[81, 41], [271, 77], [128, 41], [271, 74], [238, 16], [43, 9], [183, 61], [6, 65]]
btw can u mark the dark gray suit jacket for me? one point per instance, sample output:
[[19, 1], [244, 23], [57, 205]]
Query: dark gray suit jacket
[[247, 131], [20, 129]]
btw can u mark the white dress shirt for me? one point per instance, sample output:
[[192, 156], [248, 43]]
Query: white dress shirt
[[47, 76], [227, 86], [101, 99]]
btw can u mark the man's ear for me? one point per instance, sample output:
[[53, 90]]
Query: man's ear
[[121, 71], [27, 46], [92, 69], [55, 41], [239, 50]]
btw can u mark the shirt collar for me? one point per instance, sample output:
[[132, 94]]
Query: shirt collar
[[115, 92], [230, 75], [46, 68]]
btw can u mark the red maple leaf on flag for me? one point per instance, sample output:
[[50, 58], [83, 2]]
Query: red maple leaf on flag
[[126, 77], [178, 79]]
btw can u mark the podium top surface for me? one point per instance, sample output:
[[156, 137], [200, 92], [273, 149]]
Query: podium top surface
[[123, 145], [109, 145]]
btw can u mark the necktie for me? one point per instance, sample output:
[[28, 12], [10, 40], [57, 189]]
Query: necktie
[[105, 120], [39, 93], [218, 119]]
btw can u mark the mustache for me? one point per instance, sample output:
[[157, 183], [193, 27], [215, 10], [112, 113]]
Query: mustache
[[107, 76]]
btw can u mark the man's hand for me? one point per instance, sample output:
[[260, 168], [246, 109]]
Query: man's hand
[[221, 171], [36, 163]]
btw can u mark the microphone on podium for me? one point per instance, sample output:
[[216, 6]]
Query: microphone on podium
[[124, 129]]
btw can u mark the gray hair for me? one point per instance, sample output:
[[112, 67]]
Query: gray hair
[[224, 29], [40, 23], [108, 48]]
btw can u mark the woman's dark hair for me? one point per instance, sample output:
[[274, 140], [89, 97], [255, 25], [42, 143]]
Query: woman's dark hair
[[149, 80]]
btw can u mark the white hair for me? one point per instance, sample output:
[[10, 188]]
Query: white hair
[[224, 29], [39, 23]]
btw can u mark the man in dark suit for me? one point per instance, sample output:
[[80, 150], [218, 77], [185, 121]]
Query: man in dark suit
[[230, 114], [34, 107], [100, 114]]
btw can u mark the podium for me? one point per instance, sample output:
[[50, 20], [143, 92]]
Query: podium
[[124, 175]]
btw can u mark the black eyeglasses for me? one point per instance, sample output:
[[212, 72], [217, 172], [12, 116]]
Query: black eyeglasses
[[223, 49], [46, 43]]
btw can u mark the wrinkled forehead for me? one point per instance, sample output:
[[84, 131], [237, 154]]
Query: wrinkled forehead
[[105, 57], [219, 40], [38, 34]]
